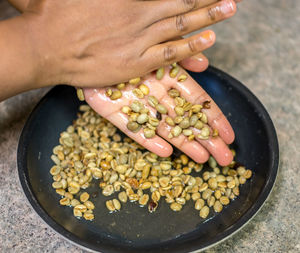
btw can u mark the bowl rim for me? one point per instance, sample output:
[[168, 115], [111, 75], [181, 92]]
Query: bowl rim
[[224, 235]]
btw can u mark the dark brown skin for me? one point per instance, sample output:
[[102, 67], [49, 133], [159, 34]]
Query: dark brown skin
[[196, 63], [103, 42]]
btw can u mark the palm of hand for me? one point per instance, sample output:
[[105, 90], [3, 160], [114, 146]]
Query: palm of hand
[[197, 149]]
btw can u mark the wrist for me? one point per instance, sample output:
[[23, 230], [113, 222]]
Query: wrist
[[47, 66], [18, 65]]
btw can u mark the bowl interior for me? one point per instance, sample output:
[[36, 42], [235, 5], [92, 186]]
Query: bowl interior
[[134, 229]]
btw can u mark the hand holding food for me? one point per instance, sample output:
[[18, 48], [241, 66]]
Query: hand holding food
[[173, 109], [92, 153]]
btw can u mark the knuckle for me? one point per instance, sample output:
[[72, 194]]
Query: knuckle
[[193, 46], [189, 4], [219, 117], [181, 23], [169, 53], [202, 96], [214, 13]]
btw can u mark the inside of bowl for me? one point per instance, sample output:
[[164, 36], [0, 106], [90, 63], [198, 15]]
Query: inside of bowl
[[133, 228]]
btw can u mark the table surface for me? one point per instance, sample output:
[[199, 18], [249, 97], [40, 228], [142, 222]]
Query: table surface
[[260, 46]]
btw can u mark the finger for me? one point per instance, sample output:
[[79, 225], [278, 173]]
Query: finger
[[217, 148], [162, 9], [111, 110], [175, 51], [198, 150], [196, 63], [185, 23], [194, 93], [193, 149]]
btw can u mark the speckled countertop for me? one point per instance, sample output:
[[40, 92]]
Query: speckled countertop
[[260, 46]]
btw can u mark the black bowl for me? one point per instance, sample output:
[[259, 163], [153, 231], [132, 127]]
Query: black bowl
[[134, 229]]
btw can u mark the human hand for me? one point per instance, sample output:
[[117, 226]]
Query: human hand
[[198, 149], [106, 42]]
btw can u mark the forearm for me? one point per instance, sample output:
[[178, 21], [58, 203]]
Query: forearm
[[20, 5], [18, 65]]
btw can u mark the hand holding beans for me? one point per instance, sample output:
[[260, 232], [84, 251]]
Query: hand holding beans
[[198, 148], [100, 43]]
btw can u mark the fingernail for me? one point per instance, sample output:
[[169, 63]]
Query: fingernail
[[207, 36], [198, 58], [227, 6]]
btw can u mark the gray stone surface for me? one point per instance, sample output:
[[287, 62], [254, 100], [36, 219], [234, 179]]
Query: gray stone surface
[[260, 47]]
